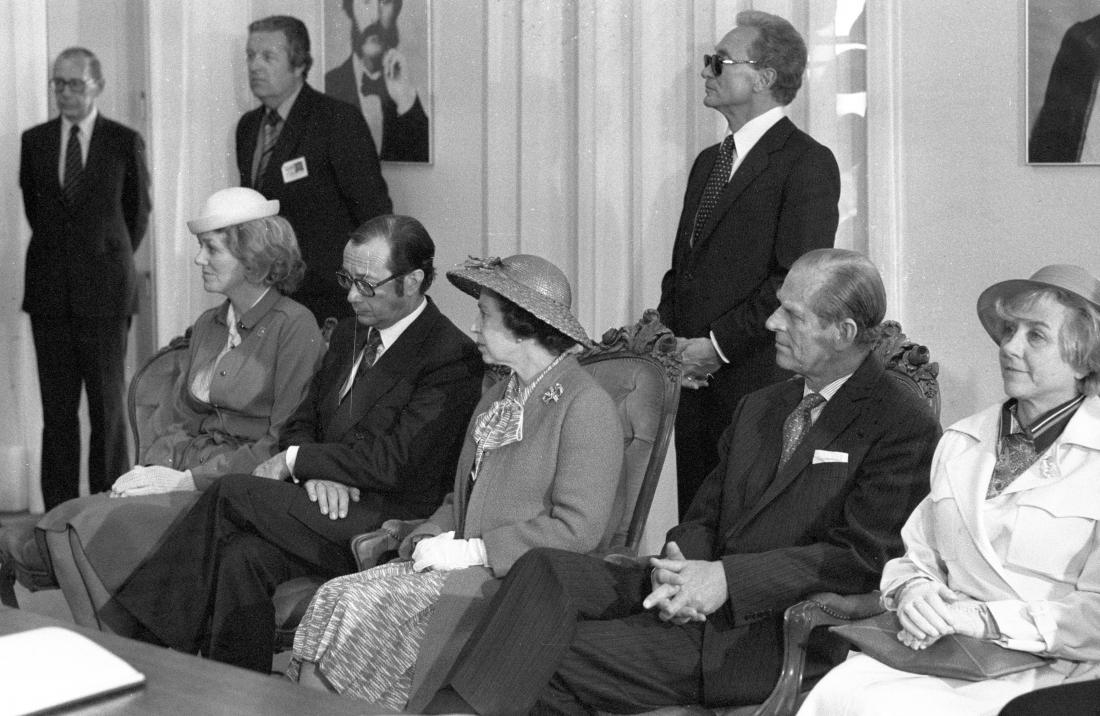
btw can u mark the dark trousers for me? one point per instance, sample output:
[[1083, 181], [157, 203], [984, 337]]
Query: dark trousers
[[1079, 698], [567, 633], [208, 588], [75, 352]]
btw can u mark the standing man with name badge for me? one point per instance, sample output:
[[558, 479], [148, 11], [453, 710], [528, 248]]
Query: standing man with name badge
[[86, 196], [313, 153]]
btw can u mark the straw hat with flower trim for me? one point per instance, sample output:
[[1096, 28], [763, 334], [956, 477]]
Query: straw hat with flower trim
[[1073, 279], [531, 282]]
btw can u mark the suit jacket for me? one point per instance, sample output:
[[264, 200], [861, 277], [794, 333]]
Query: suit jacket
[[344, 186], [404, 136], [1059, 131], [1044, 593], [812, 526], [780, 203], [80, 260], [397, 434]]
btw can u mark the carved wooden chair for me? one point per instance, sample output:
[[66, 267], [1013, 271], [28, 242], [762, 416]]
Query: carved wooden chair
[[640, 369], [910, 364]]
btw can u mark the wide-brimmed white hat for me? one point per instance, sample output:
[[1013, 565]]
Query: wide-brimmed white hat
[[234, 205], [531, 282], [1067, 277]]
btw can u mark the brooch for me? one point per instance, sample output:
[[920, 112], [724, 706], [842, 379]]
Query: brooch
[[552, 393]]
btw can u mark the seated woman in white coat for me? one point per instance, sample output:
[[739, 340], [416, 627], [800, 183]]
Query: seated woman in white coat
[[1006, 547], [539, 468]]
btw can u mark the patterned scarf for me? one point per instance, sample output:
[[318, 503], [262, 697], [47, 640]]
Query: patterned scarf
[[502, 423]]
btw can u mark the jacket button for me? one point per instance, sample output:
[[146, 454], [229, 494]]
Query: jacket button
[[222, 373], [689, 276]]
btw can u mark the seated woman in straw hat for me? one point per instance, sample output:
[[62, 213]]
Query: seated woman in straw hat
[[250, 361], [539, 468], [1006, 547]]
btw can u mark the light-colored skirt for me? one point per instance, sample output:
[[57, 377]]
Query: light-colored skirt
[[363, 631]]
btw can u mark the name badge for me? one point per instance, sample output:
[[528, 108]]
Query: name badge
[[294, 170]]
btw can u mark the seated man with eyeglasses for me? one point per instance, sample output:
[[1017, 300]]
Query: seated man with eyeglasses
[[376, 437]]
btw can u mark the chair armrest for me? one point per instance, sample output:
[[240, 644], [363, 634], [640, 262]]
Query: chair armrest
[[799, 621], [370, 547]]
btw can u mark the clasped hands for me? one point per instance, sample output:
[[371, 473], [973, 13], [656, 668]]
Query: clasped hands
[[699, 360], [929, 610], [685, 590], [151, 480]]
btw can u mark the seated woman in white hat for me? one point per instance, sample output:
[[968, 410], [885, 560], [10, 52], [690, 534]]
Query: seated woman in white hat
[[250, 361], [1006, 547], [539, 468]]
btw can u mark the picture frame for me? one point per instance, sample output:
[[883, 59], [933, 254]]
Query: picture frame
[[377, 57], [1063, 63]]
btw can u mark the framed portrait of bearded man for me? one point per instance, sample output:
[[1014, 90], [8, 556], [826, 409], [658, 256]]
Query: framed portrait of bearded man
[[378, 58]]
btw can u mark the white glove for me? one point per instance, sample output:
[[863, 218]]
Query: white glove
[[444, 552], [152, 480]]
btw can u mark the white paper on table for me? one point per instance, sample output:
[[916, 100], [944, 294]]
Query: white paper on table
[[51, 666]]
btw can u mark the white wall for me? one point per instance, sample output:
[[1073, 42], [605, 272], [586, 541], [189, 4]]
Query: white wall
[[971, 212]]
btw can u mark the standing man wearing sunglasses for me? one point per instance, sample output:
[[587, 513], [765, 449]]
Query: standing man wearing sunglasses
[[86, 196], [754, 203], [376, 437]]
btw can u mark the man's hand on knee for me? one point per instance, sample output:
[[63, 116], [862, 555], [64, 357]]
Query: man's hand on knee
[[332, 498]]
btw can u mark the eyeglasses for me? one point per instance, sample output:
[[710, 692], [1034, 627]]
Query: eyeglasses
[[76, 86], [715, 62], [365, 287]]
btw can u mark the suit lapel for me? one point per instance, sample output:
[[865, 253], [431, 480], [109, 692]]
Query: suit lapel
[[398, 362], [835, 418], [94, 163], [752, 166], [289, 136], [246, 149], [52, 149]]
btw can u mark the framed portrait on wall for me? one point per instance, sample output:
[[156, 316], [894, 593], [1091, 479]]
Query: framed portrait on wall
[[1063, 65], [378, 58]]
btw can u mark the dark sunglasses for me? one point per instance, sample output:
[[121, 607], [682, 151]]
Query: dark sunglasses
[[715, 62]]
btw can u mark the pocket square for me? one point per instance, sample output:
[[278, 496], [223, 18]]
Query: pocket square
[[821, 456]]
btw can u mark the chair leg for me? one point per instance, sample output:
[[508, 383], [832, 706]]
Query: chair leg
[[7, 585]]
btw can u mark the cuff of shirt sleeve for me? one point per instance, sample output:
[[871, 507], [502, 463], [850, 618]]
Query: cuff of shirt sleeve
[[188, 482], [291, 456], [717, 348], [1025, 626], [477, 553]]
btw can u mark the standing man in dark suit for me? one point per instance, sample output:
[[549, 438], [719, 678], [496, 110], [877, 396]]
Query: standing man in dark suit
[[376, 437], [817, 476], [312, 153], [375, 79], [754, 204], [86, 195]]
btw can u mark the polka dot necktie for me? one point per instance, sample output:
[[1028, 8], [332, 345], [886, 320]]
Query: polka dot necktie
[[797, 424], [716, 182]]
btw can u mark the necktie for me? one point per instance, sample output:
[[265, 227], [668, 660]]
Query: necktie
[[74, 164], [797, 424], [368, 86], [1015, 456], [370, 352], [270, 134], [716, 182]]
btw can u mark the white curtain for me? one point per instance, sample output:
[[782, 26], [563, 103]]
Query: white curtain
[[25, 55]]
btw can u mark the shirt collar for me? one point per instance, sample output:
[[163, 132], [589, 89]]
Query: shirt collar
[[85, 125], [829, 390], [253, 315], [287, 104], [391, 334], [751, 132], [1046, 429]]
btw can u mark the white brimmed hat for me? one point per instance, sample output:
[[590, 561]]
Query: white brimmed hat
[[531, 282], [1073, 279], [231, 206]]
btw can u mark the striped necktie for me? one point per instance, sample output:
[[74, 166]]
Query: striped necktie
[[74, 164], [272, 125]]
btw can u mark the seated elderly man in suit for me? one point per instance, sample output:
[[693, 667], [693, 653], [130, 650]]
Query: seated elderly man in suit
[[817, 475], [376, 437]]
